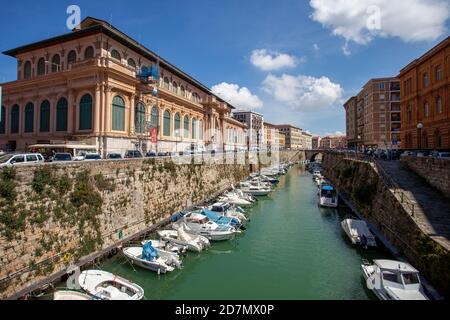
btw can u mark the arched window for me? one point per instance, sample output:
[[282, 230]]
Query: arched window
[[437, 139], [3, 121], [200, 130], [438, 105], [426, 110], [182, 92], [27, 70], [44, 117], [118, 114], [426, 80], [61, 114], [177, 132], [194, 129], [85, 113], [29, 118], [71, 57], [15, 119], [41, 67], [166, 129], [116, 55], [166, 83], [175, 87], [89, 53], [139, 118], [155, 117], [56, 63], [131, 63], [186, 127]]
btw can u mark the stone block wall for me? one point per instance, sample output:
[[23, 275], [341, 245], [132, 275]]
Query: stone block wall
[[51, 216], [435, 171]]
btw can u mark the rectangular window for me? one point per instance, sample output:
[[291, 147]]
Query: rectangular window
[[438, 73], [381, 86]]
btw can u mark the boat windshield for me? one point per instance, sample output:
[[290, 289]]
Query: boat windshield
[[391, 278], [410, 278]]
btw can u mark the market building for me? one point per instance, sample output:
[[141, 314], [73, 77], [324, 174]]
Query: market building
[[97, 86]]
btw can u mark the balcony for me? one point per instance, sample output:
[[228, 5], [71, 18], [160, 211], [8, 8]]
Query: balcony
[[395, 86], [395, 97]]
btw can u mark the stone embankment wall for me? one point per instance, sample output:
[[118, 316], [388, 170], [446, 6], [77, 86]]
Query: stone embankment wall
[[51, 216], [365, 188], [435, 171]]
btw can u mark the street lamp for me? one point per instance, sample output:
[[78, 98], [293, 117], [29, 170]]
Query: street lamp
[[358, 138]]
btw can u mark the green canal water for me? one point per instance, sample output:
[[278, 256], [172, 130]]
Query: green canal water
[[292, 250]]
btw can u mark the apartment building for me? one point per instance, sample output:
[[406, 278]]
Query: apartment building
[[293, 136], [254, 123], [373, 118]]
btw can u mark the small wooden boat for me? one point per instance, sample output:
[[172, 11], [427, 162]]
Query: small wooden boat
[[107, 286]]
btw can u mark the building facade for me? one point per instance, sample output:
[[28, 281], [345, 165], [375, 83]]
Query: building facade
[[333, 143], [373, 117], [254, 123], [425, 104], [351, 108], [316, 142], [293, 136], [307, 141], [89, 86], [270, 136]]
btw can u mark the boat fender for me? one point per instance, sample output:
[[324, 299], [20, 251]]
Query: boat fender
[[67, 258]]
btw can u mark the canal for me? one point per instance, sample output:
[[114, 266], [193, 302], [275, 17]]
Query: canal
[[292, 250]]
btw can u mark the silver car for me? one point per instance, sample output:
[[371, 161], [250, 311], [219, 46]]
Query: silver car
[[20, 159]]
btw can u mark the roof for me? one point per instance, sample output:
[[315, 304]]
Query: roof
[[427, 54], [395, 266], [91, 26]]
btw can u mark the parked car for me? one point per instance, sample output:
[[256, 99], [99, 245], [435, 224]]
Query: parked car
[[62, 157], [113, 156], [163, 154], [7, 160], [130, 154], [437, 154], [151, 154], [407, 154], [92, 157]]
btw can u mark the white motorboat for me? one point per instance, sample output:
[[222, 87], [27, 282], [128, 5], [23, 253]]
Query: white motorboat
[[241, 195], [182, 237], [328, 196], [199, 224], [234, 199], [255, 190], [166, 247], [393, 280], [70, 295], [107, 286], [227, 210], [156, 260], [359, 233]]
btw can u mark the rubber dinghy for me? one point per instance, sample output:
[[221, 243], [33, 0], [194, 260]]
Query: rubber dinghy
[[149, 258], [182, 237], [107, 286]]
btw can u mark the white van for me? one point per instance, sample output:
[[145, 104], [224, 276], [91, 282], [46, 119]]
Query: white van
[[8, 160]]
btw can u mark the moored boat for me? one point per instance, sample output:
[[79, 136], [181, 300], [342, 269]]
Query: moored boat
[[328, 196], [149, 258], [107, 286], [393, 280], [70, 295], [182, 237], [359, 233]]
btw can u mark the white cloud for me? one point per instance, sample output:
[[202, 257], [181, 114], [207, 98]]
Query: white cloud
[[268, 61], [316, 47], [303, 93], [363, 20], [241, 98], [336, 134]]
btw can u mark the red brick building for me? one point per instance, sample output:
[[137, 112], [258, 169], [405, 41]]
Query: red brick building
[[425, 102]]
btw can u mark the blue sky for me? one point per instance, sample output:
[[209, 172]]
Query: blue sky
[[214, 42]]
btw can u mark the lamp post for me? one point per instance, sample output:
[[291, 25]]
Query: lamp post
[[357, 140], [419, 135]]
